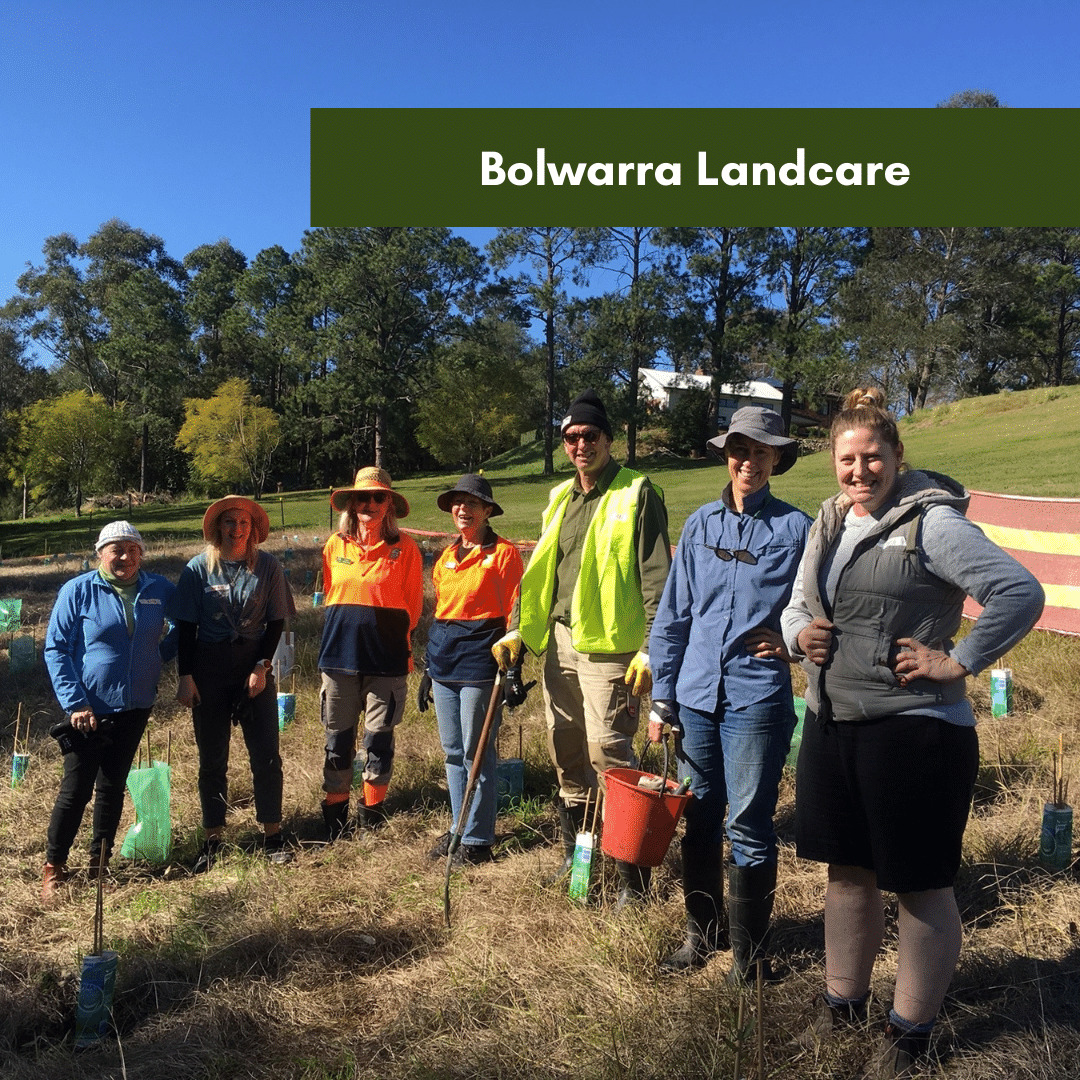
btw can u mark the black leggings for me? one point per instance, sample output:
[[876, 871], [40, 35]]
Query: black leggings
[[102, 761], [221, 673]]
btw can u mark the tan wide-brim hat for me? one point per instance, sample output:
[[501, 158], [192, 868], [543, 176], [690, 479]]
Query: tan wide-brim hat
[[260, 520], [370, 478]]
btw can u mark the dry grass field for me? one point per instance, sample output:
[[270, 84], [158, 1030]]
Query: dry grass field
[[338, 966]]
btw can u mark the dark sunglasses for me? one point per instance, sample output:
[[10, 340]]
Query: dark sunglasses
[[371, 496], [587, 437], [738, 554]]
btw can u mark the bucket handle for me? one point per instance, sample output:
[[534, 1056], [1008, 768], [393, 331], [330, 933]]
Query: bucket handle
[[665, 742]]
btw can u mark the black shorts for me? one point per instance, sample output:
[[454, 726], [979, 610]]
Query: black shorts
[[890, 795]]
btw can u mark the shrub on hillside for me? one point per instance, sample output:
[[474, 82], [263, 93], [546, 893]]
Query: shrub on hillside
[[686, 423]]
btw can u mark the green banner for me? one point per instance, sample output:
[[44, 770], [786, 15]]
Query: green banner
[[693, 166]]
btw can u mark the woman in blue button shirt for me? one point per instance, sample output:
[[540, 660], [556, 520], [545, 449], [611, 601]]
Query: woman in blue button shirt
[[720, 671]]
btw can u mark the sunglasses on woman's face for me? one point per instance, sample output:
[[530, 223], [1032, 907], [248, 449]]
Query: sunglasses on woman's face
[[377, 497]]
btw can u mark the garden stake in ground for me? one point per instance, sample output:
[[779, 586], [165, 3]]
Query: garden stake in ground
[[470, 790], [97, 980], [20, 759]]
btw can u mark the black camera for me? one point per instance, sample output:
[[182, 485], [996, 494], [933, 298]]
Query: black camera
[[70, 738]]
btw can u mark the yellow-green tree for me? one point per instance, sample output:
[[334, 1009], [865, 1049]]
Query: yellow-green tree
[[69, 445], [231, 438]]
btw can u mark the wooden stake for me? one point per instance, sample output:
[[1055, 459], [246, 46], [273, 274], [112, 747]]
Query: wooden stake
[[99, 912], [168, 748], [149, 756], [596, 810], [738, 1039], [760, 979]]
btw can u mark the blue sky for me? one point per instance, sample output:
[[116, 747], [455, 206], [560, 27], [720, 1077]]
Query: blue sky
[[192, 123]]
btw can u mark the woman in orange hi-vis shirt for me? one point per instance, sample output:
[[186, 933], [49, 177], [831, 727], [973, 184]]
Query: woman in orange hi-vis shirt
[[373, 579], [476, 583]]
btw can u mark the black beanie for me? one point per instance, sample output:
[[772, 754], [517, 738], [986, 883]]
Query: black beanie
[[587, 408]]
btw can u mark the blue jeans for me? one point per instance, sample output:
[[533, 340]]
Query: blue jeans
[[735, 759], [460, 712]]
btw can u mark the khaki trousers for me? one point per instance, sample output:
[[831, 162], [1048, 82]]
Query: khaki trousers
[[591, 716]]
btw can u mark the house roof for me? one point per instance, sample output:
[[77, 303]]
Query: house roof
[[658, 380]]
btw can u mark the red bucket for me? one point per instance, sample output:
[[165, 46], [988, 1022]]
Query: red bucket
[[638, 823]]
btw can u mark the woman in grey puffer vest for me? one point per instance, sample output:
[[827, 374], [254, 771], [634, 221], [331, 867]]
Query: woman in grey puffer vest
[[889, 754]]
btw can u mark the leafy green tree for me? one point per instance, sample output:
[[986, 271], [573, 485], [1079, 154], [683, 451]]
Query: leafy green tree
[[484, 393], [552, 252], [231, 438], [214, 270], [110, 312], [718, 322], [71, 446], [1056, 252], [630, 324], [688, 423], [972, 99], [380, 300], [803, 267], [267, 322], [148, 352], [943, 311]]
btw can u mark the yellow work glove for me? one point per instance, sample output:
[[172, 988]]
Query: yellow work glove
[[507, 650], [639, 675]]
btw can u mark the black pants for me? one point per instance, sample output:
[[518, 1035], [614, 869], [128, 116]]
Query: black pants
[[101, 761], [221, 673]]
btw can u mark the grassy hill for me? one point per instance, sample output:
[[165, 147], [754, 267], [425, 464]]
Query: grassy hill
[[1017, 443]]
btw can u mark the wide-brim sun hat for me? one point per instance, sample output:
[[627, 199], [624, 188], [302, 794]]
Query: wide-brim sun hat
[[763, 426], [370, 478], [470, 484], [260, 520]]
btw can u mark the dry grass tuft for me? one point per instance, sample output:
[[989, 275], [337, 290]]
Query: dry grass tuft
[[338, 966]]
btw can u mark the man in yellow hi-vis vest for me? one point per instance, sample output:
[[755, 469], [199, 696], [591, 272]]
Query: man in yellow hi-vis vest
[[587, 601]]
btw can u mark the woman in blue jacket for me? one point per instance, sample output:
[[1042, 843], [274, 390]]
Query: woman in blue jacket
[[107, 639]]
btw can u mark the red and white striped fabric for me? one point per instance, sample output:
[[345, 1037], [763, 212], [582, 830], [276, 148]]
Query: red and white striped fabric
[[1043, 535]]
